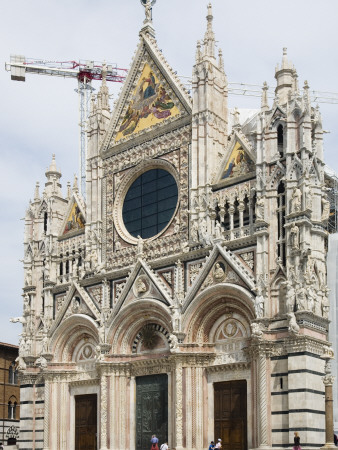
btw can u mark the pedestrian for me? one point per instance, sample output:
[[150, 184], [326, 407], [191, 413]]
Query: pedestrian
[[1, 446], [219, 443], [164, 446], [212, 445], [154, 442], [296, 440], [335, 439]]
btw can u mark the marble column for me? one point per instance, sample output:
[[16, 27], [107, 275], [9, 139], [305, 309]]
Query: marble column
[[46, 416], [104, 412], [263, 400], [329, 430], [179, 405]]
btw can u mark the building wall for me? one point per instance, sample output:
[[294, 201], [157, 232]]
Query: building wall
[[9, 392]]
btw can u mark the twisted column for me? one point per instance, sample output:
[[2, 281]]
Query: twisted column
[[328, 381], [179, 405], [262, 389]]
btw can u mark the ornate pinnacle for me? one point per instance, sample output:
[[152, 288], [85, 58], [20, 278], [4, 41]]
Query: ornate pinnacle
[[209, 38]]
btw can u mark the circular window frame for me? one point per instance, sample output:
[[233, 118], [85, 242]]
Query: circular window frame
[[127, 181]]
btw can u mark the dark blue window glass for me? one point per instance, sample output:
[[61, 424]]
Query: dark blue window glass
[[150, 203]]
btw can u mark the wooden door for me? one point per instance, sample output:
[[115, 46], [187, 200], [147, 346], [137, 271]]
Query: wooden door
[[230, 414], [86, 422], [151, 409]]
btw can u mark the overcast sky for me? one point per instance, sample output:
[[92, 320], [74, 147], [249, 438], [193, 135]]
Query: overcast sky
[[40, 117]]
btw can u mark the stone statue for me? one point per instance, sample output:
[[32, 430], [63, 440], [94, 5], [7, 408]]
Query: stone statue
[[218, 230], [141, 287], [294, 237], [76, 305], [218, 272], [296, 200], [139, 246], [44, 345], [259, 305], [28, 278], [173, 342], [21, 363], [41, 362], [301, 298], [259, 208], [291, 298], [256, 330], [325, 208], [292, 322], [308, 197], [194, 231]]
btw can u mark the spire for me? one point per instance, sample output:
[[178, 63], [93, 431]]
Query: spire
[[53, 175], [75, 186], [69, 191], [265, 102], [285, 78], [104, 91], [209, 37], [36, 192], [198, 52]]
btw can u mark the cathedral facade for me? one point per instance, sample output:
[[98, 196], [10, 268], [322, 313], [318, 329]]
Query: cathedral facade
[[184, 295]]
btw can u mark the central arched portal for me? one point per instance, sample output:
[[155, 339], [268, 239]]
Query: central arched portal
[[151, 409]]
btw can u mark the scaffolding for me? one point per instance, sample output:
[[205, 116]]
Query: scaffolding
[[331, 182]]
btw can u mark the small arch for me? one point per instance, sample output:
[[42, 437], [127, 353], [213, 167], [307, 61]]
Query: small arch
[[158, 330]]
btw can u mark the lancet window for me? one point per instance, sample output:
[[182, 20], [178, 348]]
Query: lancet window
[[281, 203]]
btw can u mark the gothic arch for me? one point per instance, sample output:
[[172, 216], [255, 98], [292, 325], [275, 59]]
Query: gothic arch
[[128, 323], [70, 333], [210, 305]]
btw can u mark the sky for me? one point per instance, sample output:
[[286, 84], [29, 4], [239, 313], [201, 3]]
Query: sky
[[40, 116]]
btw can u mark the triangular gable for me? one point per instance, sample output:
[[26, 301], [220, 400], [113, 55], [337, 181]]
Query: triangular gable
[[152, 96], [239, 162], [276, 115], [143, 283], [77, 301], [222, 266], [75, 219]]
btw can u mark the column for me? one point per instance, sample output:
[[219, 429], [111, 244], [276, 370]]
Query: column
[[241, 208], [179, 405], [328, 382], [262, 395], [46, 417], [103, 412]]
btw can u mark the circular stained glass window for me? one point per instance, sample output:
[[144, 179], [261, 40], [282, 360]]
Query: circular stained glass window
[[150, 203]]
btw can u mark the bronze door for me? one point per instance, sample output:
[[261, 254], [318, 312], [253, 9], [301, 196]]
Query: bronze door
[[85, 422], [230, 414], [151, 410]]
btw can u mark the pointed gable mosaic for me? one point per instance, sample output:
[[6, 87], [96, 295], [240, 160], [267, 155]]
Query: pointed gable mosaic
[[150, 104], [238, 164], [75, 221]]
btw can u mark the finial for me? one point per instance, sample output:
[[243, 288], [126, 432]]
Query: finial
[[265, 103], [36, 193], [198, 52], [220, 59], [104, 73], [75, 186], [209, 38], [295, 82], [69, 191]]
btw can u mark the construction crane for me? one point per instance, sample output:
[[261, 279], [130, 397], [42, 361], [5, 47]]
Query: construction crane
[[85, 72]]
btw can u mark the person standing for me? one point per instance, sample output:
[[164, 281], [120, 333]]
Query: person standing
[[212, 445], [296, 440], [154, 442], [219, 444], [164, 446]]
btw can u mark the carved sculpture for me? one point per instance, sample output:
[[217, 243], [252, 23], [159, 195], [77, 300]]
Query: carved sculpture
[[294, 237], [293, 326], [296, 200], [325, 208], [259, 209], [218, 272]]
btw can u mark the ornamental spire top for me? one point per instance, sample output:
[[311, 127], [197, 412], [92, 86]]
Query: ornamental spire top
[[209, 38]]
